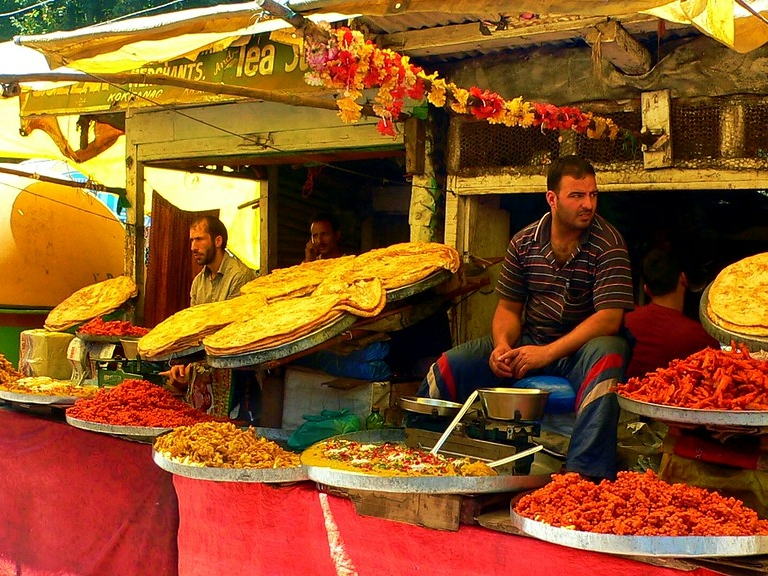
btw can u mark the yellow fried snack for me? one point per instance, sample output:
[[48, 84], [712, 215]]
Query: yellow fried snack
[[223, 445]]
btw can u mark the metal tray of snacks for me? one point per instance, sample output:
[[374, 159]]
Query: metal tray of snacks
[[114, 339], [434, 279], [672, 546], [677, 415], [134, 432], [312, 339], [724, 335], [418, 484], [37, 399], [265, 475]]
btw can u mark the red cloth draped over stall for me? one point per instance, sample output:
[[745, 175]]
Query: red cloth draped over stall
[[77, 503]]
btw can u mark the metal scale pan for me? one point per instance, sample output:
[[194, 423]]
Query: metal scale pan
[[434, 279], [677, 415], [671, 546], [304, 343], [419, 484], [753, 343]]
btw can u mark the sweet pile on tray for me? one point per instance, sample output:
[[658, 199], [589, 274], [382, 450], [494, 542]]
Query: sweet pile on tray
[[638, 504]]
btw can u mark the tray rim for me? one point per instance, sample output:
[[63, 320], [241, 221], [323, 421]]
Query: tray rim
[[215, 474], [116, 429], [38, 399], [681, 415], [657, 546]]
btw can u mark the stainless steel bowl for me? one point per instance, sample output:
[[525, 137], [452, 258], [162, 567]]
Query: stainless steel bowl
[[525, 404], [432, 406]]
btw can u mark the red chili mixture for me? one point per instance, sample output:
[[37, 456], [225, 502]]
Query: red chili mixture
[[98, 327], [640, 505], [137, 403], [710, 379]]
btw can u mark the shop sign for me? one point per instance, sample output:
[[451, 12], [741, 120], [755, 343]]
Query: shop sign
[[260, 63]]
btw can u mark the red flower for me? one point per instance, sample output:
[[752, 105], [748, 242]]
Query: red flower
[[491, 104], [386, 128]]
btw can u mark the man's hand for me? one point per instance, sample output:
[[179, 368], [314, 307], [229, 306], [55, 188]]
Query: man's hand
[[499, 363], [178, 376], [526, 358], [310, 252]]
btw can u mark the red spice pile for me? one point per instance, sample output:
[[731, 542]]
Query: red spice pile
[[137, 403], [639, 505], [707, 380], [98, 327]]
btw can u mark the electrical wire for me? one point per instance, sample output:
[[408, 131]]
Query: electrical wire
[[26, 9], [131, 15], [258, 142]]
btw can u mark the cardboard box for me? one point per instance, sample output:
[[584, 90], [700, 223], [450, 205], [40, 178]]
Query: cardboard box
[[44, 353], [310, 392]]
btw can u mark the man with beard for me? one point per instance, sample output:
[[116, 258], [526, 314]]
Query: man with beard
[[325, 237], [564, 286], [221, 278], [222, 275]]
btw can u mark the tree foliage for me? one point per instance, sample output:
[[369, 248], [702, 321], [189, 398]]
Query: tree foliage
[[24, 17]]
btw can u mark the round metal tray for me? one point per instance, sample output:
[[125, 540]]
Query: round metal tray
[[434, 279], [753, 343], [173, 355], [673, 546], [418, 484], [37, 399], [746, 418], [431, 406], [265, 475], [305, 342], [133, 432]]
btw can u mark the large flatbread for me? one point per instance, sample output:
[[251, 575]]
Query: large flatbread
[[738, 298], [187, 328], [91, 302], [405, 263], [364, 297], [278, 323], [296, 281]]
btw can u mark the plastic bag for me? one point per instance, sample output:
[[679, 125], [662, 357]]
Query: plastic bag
[[321, 426]]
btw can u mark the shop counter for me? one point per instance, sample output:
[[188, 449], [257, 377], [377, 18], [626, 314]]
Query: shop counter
[[74, 502], [244, 529]]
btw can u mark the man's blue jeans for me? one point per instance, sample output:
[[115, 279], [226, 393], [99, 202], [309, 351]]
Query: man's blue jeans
[[593, 371]]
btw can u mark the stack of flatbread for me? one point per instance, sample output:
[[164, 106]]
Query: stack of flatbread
[[91, 302], [296, 281], [187, 328], [289, 319], [738, 298], [405, 263]]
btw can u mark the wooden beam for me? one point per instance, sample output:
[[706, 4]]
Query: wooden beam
[[467, 37], [618, 46]]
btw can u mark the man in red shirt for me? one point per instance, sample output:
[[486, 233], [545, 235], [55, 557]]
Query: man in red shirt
[[662, 331]]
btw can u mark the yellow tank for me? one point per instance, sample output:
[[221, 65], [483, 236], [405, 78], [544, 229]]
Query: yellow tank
[[54, 239]]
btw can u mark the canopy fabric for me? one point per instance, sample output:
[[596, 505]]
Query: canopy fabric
[[130, 44], [723, 20]]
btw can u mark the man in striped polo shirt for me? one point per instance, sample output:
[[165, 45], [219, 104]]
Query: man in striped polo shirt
[[564, 286]]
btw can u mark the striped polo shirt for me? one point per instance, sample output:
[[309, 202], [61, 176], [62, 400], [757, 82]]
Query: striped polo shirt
[[557, 298]]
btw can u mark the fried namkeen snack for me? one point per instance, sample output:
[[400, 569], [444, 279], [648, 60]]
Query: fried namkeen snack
[[223, 445], [638, 504], [706, 380]]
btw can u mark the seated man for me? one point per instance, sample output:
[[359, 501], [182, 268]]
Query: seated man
[[662, 332], [564, 286]]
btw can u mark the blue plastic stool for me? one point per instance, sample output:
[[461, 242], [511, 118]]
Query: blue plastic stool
[[562, 397]]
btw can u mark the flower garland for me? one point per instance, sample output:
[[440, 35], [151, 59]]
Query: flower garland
[[349, 64]]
